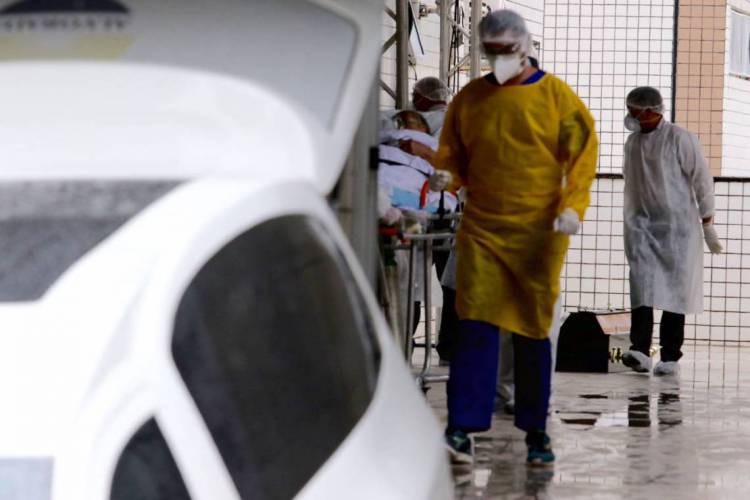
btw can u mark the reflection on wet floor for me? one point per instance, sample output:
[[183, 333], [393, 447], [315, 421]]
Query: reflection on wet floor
[[637, 414], [628, 435]]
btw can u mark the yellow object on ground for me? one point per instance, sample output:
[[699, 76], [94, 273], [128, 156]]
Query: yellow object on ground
[[524, 153]]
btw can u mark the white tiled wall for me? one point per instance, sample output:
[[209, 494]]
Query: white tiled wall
[[736, 127]]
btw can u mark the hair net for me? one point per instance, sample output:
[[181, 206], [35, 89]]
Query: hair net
[[505, 26], [432, 88], [646, 98]]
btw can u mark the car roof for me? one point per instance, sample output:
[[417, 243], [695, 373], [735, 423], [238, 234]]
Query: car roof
[[270, 83]]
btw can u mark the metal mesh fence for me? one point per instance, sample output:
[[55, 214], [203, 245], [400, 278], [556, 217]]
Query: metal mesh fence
[[595, 276], [603, 49]]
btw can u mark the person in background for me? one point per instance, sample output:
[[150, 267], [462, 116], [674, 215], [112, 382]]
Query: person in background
[[524, 147], [430, 97], [668, 195]]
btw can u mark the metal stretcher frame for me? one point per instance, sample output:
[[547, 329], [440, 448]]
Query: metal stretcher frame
[[411, 243]]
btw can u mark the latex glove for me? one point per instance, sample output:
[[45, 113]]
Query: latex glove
[[391, 216], [712, 239], [440, 180], [567, 222]]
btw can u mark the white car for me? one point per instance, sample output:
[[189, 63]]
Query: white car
[[181, 316]]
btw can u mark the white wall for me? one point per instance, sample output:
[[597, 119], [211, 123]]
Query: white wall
[[736, 128]]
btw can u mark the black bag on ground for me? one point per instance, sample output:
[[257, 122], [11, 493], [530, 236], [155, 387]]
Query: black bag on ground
[[593, 342]]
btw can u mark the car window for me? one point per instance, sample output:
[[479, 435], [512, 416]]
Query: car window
[[274, 343], [46, 226], [25, 478], [146, 469]]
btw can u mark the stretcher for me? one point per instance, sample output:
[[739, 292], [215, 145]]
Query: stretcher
[[438, 236]]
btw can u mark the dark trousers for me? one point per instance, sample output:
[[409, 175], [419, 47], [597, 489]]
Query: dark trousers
[[449, 325], [473, 377], [671, 332]]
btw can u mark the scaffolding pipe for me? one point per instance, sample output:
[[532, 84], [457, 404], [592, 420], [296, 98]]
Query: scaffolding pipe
[[388, 44], [476, 56], [402, 54], [445, 39], [460, 65], [388, 90]]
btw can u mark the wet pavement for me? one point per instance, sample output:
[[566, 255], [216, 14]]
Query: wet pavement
[[628, 435]]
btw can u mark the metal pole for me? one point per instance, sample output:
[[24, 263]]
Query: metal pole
[[445, 39], [402, 54], [425, 377], [474, 51], [427, 269], [409, 330]]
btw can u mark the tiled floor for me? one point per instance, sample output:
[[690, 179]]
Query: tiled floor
[[629, 436]]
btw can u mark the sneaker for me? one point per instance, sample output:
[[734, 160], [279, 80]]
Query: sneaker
[[540, 449], [666, 368], [637, 361], [460, 447]]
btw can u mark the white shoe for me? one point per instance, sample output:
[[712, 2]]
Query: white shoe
[[666, 368], [637, 361]]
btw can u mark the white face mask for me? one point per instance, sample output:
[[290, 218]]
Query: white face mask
[[506, 67], [632, 124]]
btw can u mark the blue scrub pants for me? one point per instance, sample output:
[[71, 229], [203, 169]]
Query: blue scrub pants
[[473, 376]]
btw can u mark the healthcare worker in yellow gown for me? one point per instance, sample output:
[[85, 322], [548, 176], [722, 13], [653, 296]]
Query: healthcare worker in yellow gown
[[524, 147]]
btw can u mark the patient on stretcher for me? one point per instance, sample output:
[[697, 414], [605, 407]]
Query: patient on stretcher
[[404, 176]]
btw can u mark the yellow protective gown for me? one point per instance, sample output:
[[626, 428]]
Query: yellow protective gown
[[523, 153]]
